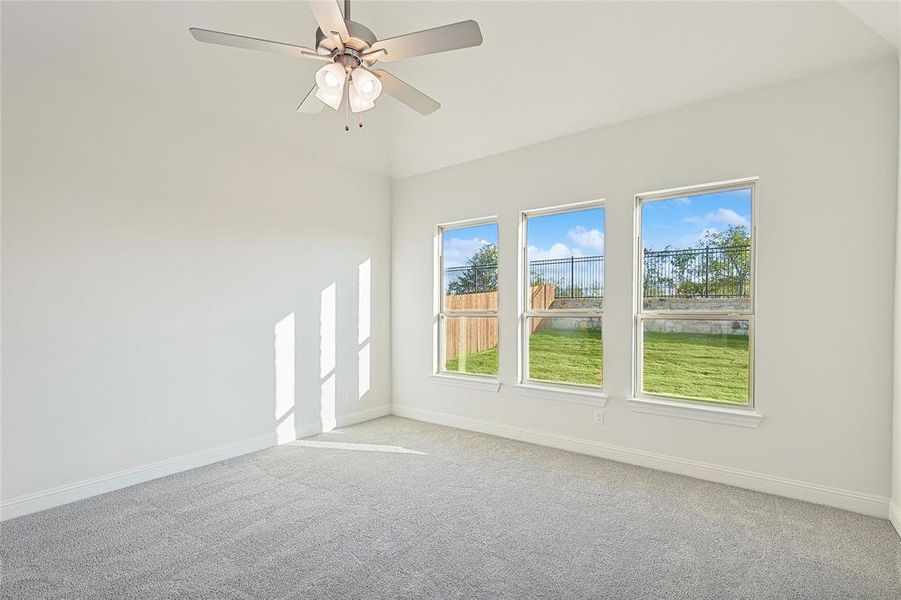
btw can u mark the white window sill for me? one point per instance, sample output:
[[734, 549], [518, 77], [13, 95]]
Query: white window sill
[[473, 382], [563, 394], [740, 417]]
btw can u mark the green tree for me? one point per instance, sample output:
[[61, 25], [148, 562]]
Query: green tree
[[479, 275], [735, 235], [720, 265], [728, 267]]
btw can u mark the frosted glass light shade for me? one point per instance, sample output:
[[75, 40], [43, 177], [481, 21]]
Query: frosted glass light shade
[[357, 102], [330, 80], [366, 84]]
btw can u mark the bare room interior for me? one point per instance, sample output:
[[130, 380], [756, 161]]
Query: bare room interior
[[450, 299]]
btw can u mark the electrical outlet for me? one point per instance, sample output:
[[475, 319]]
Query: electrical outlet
[[598, 417]]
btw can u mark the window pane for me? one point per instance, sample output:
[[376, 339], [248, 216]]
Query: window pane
[[566, 260], [470, 345], [566, 350], [470, 267], [696, 359], [697, 252]]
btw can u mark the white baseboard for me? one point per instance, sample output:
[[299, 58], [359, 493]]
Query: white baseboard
[[34, 502], [868, 504], [894, 514], [346, 420], [37, 501], [364, 415]]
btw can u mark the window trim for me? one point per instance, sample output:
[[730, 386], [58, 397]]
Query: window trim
[[440, 313], [562, 392], [641, 398], [472, 381], [710, 412], [524, 382]]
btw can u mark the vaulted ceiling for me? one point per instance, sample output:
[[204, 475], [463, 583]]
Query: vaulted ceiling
[[545, 69]]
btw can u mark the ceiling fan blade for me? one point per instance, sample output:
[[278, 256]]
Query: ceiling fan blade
[[328, 14], [464, 34], [406, 93], [311, 104], [240, 41]]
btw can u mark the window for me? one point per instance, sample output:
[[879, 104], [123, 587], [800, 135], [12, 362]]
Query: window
[[467, 298], [695, 309], [562, 296]]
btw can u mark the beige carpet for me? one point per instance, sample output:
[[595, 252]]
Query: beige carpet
[[394, 508]]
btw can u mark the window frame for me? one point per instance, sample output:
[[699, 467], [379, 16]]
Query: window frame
[[441, 313], [641, 315], [526, 312]]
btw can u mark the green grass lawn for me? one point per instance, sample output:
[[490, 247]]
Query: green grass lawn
[[697, 366], [478, 363], [566, 355]]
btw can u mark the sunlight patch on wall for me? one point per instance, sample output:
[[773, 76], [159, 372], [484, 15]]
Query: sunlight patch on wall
[[364, 296], [327, 356], [327, 416], [364, 327], [327, 331], [284, 380], [363, 370]]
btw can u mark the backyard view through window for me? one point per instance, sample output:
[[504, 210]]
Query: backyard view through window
[[696, 312], [468, 320], [564, 296]]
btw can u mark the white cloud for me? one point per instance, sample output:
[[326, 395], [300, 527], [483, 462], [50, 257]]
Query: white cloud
[[721, 215], [588, 239], [558, 250], [690, 241], [707, 230], [728, 216], [458, 250]]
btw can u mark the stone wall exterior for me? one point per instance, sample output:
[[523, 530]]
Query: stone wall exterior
[[540, 324], [712, 304], [718, 327], [573, 322], [577, 303]]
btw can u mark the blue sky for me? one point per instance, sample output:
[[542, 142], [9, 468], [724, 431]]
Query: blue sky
[[681, 222], [460, 244], [579, 233]]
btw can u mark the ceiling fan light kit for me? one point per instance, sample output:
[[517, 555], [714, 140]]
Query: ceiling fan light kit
[[330, 81], [351, 50]]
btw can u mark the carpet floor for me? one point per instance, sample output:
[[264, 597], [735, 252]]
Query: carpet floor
[[394, 508]]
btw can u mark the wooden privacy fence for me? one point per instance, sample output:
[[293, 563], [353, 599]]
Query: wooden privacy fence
[[476, 334]]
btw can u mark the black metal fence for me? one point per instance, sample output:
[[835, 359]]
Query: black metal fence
[[711, 272], [573, 277]]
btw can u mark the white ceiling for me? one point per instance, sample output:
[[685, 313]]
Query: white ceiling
[[883, 16], [546, 69]]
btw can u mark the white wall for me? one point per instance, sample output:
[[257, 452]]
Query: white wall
[[824, 149], [896, 413], [147, 259]]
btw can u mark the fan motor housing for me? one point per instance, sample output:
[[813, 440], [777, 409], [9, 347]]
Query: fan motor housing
[[361, 38]]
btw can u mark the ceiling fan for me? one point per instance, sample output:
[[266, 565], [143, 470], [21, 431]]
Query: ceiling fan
[[351, 50]]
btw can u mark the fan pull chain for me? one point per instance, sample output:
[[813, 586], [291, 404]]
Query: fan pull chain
[[361, 119], [347, 84]]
